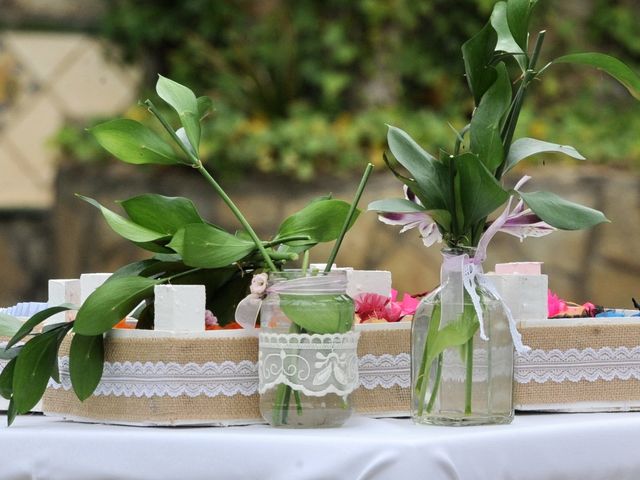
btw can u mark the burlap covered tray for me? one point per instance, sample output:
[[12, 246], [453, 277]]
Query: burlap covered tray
[[152, 378], [579, 365]]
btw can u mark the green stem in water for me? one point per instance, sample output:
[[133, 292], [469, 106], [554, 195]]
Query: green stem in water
[[282, 398], [305, 262], [425, 365], [436, 385], [197, 164], [347, 222], [468, 386]]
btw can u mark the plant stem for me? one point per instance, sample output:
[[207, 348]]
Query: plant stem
[[347, 222], [436, 384], [194, 161], [514, 113], [236, 211], [468, 387], [305, 262], [197, 164]]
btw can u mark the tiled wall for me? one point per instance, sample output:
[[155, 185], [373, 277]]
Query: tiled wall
[[46, 78]]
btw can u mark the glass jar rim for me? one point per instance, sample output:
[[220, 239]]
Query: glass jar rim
[[311, 282]]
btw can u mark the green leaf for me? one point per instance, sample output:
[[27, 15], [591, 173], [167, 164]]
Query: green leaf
[[124, 227], [161, 214], [184, 102], [37, 319], [133, 269], [486, 123], [33, 369], [202, 245], [480, 193], [477, 53], [561, 213], [457, 332], [6, 379], [205, 106], [395, 205], [321, 220], [318, 313], [132, 142], [506, 42], [518, 14], [11, 412], [9, 325], [429, 174], [86, 361], [608, 64], [526, 147], [111, 302]]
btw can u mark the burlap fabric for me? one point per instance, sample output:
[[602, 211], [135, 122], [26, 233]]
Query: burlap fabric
[[221, 409], [165, 410], [379, 401], [584, 395]]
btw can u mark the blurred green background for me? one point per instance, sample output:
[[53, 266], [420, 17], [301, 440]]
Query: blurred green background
[[302, 91]]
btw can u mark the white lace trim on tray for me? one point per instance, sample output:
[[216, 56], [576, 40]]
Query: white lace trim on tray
[[159, 379], [574, 365], [386, 371], [137, 379]]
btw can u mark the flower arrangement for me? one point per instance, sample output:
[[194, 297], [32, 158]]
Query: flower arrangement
[[450, 197], [185, 248]]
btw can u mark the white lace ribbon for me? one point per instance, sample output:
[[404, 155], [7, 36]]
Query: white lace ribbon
[[316, 365], [573, 365], [160, 379]]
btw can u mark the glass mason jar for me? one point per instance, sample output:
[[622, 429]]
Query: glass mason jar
[[459, 378], [308, 363]]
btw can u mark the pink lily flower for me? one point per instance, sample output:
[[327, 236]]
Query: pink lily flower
[[426, 226], [524, 223]]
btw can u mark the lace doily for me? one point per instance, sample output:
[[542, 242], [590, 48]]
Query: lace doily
[[574, 365], [315, 365]]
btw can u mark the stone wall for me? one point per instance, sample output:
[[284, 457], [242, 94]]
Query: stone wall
[[601, 264]]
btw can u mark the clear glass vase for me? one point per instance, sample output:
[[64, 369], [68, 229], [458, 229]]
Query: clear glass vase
[[308, 363], [459, 377]]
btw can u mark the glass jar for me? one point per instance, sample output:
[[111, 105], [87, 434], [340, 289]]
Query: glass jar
[[462, 349], [308, 363]]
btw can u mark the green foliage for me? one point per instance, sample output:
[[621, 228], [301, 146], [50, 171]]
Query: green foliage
[[561, 213], [468, 186], [132, 142], [265, 58], [318, 313], [86, 361], [112, 302]]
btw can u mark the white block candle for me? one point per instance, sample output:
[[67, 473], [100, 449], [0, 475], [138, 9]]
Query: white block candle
[[89, 282], [179, 308], [63, 291], [523, 288], [368, 281]]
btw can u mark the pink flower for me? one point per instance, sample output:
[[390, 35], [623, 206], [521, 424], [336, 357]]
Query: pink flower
[[373, 306], [426, 226], [259, 284], [210, 319], [524, 223], [556, 305]]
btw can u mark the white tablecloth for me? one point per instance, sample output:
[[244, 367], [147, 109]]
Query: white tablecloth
[[535, 447]]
